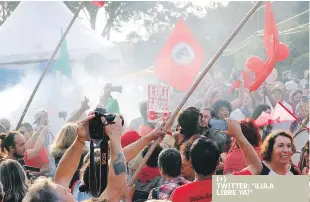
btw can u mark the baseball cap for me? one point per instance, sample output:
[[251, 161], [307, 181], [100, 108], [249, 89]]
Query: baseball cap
[[129, 137], [38, 115]]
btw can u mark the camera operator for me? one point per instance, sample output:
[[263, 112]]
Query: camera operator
[[117, 172]]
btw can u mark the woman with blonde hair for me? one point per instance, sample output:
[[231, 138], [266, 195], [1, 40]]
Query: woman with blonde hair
[[14, 180], [62, 142]]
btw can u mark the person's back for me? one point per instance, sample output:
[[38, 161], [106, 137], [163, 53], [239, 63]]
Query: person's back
[[170, 163], [204, 158]]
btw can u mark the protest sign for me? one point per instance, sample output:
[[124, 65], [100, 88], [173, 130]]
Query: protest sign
[[158, 103]]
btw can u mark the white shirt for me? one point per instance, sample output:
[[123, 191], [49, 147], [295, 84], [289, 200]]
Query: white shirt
[[283, 125], [272, 172]]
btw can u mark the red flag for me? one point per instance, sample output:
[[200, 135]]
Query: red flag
[[271, 43], [180, 60], [98, 3], [248, 78], [271, 40], [264, 119]]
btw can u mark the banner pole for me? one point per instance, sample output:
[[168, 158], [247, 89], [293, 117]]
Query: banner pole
[[193, 87], [48, 65]]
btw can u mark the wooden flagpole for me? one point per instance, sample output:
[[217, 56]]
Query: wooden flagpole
[[48, 65], [193, 87]]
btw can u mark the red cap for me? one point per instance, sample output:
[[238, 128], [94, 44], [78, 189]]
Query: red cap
[[129, 137]]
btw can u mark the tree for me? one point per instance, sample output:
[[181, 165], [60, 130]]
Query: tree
[[91, 9], [6, 8]]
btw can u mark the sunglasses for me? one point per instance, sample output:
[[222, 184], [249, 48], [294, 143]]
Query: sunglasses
[[22, 132]]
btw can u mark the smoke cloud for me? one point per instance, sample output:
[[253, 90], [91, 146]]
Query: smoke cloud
[[58, 93]]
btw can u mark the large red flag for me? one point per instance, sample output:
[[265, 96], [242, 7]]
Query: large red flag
[[98, 3], [271, 39], [271, 43], [180, 60]]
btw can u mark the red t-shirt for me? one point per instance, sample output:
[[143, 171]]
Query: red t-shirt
[[198, 191], [39, 160]]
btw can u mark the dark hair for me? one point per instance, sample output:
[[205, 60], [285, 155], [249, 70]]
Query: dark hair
[[188, 120], [84, 171], [221, 103], [8, 140], [186, 150], [170, 162], [204, 155], [27, 126], [294, 92], [251, 132], [42, 189], [259, 109], [153, 160], [267, 147], [14, 180], [1, 191], [303, 162]]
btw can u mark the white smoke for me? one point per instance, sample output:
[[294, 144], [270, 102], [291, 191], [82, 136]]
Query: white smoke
[[58, 93]]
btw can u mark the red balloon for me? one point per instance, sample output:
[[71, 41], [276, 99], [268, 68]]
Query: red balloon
[[255, 64], [282, 52]]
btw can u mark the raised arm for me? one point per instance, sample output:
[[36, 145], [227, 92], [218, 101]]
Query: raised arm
[[117, 176], [239, 101], [105, 97], [78, 113], [249, 154], [69, 163], [33, 139], [31, 153], [132, 150]]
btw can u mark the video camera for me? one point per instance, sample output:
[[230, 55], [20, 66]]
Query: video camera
[[99, 180]]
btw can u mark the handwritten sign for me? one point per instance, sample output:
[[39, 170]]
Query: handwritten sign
[[158, 103]]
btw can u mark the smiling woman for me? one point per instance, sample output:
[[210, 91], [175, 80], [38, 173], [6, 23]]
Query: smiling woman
[[276, 152]]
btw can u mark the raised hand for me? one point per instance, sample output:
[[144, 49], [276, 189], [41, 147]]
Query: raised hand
[[158, 132], [234, 128], [84, 105], [82, 129], [114, 130], [45, 130]]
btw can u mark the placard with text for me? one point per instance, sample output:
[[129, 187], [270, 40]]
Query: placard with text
[[158, 103]]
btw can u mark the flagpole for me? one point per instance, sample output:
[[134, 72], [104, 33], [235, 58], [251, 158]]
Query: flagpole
[[193, 87], [293, 115], [48, 65]]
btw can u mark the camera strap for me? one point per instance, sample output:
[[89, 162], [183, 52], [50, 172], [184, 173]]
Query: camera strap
[[98, 179]]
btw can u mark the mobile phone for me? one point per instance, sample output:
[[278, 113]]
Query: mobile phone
[[218, 124], [30, 168], [62, 114]]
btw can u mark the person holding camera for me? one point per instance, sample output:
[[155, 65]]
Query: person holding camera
[[117, 175]]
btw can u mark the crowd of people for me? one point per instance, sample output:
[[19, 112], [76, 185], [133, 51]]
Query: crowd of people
[[36, 165]]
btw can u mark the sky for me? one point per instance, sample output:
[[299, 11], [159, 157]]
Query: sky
[[130, 26]]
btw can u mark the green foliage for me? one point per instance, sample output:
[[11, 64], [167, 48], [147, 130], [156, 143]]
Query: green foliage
[[210, 24]]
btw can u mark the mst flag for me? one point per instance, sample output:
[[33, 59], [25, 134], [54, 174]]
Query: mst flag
[[180, 59], [271, 43]]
